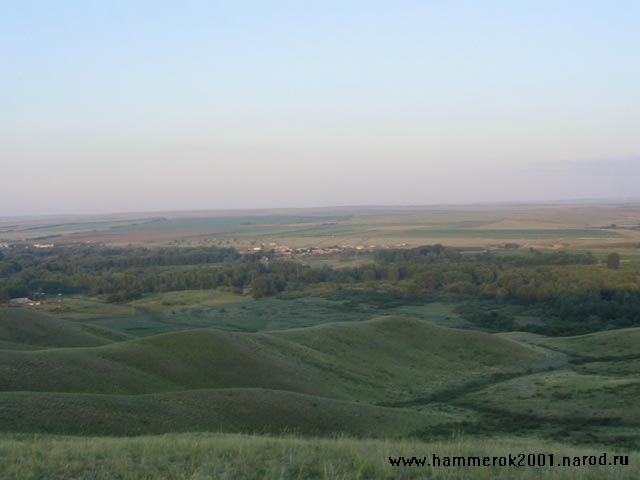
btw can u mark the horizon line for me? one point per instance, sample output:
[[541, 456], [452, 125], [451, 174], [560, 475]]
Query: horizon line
[[628, 201]]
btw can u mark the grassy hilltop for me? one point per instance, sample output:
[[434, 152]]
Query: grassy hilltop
[[329, 379], [412, 377], [385, 359], [28, 329]]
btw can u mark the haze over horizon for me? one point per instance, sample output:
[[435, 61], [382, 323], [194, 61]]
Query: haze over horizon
[[151, 106], [347, 209]]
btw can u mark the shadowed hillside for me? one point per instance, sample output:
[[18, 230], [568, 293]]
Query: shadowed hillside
[[615, 344], [390, 376], [25, 329], [231, 410], [382, 360]]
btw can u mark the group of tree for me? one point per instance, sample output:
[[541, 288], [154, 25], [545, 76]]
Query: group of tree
[[571, 286]]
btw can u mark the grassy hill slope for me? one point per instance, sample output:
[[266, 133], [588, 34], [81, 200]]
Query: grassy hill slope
[[397, 358], [382, 360], [21, 328], [592, 398], [230, 410], [609, 344]]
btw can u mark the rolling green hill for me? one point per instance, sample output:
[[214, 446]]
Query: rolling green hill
[[25, 329], [314, 381], [230, 410], [591, 398], [619, 343], [564, 405], [389, 376], [383, 360]]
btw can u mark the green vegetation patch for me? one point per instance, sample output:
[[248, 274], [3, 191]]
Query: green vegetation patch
[[229, 410], [564, 405], [138, 324], [620, 368], [611, 344], [188, 299], [82, 308], [382, 360], [532, 234], [242, 314], [230, 457], [25, 328], [566, 394]]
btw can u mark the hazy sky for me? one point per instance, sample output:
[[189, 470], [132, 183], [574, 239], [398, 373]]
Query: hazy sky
[[155, 105]]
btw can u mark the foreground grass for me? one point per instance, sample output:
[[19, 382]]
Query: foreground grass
[[226, 456]]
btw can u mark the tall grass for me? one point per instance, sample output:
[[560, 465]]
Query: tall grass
[[230, 456]]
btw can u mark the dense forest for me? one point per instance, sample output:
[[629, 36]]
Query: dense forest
[[572, 291]]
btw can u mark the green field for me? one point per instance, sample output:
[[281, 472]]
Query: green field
[[82, 308], [28, 329], [183, 310], [504, 234], [621, 344], [241, 314], [230, 457], [187, 300]]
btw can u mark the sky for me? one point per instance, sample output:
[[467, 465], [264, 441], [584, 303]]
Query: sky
[[115, 106]]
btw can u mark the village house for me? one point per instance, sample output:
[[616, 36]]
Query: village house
[[22, 302]]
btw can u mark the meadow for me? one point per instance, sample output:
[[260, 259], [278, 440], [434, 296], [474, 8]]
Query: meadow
[[173, 311], [258, 457]]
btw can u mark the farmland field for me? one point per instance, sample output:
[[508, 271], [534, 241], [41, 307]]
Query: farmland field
[[570, 226]]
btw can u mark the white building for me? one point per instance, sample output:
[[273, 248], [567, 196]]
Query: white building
[[14, 302]]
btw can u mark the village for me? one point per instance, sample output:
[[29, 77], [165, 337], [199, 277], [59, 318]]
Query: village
[[284, 250]]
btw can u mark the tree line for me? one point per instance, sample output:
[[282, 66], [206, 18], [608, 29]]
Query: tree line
[[568, 288]]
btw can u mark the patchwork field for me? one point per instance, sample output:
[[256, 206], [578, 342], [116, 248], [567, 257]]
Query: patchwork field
[[544, 226]]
